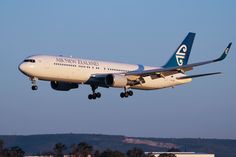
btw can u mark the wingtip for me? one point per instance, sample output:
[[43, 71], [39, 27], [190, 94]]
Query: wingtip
[[228, 48], [229, 45], [225, 53]]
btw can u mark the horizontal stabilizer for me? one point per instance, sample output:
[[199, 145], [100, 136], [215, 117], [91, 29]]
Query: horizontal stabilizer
[[199, 75]]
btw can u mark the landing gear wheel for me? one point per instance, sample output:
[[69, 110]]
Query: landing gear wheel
[[122, 95], [131, 93], [126, 94], [34, 87], [90, 96], [94, 96], [98, 95]]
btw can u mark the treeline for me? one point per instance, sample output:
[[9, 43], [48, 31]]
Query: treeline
[[85, 150], [10, 152], [78, 150]]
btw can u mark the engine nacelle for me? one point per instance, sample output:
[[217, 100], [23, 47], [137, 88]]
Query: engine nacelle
[[63, 86], [116, 80]]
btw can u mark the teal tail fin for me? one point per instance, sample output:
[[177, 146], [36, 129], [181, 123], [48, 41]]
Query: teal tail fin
[[182, 53]]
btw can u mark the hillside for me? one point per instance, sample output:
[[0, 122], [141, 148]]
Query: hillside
[[33, 144]]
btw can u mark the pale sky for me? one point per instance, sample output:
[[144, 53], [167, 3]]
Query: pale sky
[[133, 31]]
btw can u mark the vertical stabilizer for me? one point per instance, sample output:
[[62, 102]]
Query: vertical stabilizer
[[181, 55]]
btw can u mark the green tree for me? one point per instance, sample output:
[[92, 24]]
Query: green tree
[[5, 153], [1, 145], [106, 153], [45, 153], [15, 152], [58, 149], [110, 153], [81, 150], [75, 150], [97, 153], [1, 148], [135, 152], [118, 154]]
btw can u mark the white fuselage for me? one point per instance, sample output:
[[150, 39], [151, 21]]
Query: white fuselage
[[77, 70]]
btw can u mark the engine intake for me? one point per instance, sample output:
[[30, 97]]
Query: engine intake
[[63, 86]]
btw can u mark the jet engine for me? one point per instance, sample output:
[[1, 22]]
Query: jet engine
[[116, 80], [63, 86]]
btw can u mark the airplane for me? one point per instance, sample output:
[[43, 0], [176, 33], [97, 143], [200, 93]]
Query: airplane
[[66, 73]]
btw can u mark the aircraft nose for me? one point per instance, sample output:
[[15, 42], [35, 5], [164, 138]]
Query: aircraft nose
[[22, 67]]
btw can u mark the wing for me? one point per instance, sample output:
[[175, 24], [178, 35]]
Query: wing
[[176, 69]]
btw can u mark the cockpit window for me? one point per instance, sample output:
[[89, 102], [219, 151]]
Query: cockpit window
[[29, 60]]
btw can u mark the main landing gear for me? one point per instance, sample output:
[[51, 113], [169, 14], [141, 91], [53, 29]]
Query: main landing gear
[[94, 95], [33, 82], [126, 93]]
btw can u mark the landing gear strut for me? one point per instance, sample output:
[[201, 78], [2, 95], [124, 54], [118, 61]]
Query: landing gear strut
[[33, 82], [94, 95], [126, 94]]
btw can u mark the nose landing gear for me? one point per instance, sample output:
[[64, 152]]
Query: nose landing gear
[[34, 87], [33, 82]]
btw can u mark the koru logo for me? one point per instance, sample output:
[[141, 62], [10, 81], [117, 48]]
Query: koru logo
[[226, 51], [180, 54]]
